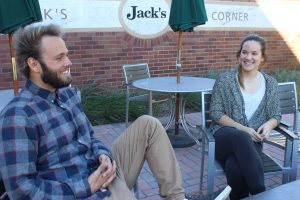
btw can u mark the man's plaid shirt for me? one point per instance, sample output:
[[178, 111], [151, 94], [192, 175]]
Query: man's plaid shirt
[[46, 146]]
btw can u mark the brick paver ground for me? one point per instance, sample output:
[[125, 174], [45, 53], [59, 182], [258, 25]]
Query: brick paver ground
[[189, 160]]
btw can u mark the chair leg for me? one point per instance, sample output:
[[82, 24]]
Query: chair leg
[[202, 162], [294, 160], [210, 168], [127, 110], [287, 160], [150, 104], [172, 114]]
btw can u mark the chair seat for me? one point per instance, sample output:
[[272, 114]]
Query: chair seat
[[269, 165], [142, 97], [156, 97], [159, 97]]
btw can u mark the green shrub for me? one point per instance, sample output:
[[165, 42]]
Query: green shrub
[[212, 73], [284, 75], [109, 107]]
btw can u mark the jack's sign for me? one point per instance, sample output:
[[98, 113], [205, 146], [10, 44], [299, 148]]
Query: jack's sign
[[149, 18], [144, 18]]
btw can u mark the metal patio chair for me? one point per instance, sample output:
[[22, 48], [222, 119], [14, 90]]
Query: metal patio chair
[[289, 106], [135, 72], [288, 169]]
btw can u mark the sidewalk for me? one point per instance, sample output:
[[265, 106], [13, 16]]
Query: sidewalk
[[189, 160]]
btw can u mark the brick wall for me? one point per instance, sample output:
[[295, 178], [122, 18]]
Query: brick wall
[[98, 56]]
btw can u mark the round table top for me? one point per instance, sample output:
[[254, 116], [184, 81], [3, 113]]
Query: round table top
[[168, 84]]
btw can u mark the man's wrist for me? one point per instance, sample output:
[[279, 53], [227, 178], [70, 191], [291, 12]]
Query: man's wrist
[[107, 155]]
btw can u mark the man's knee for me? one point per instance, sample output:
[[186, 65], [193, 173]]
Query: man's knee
[[147, 119], [151, 124]]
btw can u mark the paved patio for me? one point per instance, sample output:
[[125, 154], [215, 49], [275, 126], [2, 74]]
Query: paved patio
[[189, 160]]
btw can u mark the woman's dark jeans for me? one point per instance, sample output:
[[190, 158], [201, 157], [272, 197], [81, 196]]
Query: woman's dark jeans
[[241, 160]]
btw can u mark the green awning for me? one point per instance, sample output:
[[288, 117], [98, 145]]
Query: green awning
[[18, 13], [187, 14]]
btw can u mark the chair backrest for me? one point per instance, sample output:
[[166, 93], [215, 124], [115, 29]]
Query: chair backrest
[[206, 97], [288, 101], [135, 72], [132, 73]]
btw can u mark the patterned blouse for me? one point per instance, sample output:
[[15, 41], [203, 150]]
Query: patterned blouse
[[227, 99]]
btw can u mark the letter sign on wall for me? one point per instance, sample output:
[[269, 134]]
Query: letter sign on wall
[[149, 18], [144, 18]]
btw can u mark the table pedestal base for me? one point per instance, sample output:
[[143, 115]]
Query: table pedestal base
[[180, 140]]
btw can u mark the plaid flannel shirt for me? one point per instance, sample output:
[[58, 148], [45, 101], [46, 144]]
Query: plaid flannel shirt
[[46, 146]]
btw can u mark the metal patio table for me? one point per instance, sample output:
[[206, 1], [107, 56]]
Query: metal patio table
[[169, 85]]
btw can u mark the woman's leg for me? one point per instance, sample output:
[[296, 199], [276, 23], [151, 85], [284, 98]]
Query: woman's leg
[[235, 179], [236, 143]]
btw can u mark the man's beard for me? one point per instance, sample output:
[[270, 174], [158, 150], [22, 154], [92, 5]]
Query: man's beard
[[50, 77]]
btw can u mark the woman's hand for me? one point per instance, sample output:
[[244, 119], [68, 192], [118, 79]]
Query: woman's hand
[[256, 137], [104, 175], [265, 130]]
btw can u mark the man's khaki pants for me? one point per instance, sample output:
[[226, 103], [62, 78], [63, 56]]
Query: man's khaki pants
[[145, 139]]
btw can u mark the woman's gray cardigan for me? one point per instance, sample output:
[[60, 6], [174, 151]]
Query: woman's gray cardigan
[[227, 100]]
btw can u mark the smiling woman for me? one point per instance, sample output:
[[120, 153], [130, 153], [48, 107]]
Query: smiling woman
[[244, 110]]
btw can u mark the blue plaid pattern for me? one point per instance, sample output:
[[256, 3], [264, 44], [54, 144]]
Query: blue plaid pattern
[[47, 149]]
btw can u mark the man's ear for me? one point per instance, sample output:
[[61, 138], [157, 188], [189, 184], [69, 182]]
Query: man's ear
[[33, 64]]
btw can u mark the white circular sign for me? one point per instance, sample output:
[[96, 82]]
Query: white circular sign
[[144, 18]]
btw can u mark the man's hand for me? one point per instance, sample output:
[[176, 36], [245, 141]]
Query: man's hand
[[108, 169], [104, 175]]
